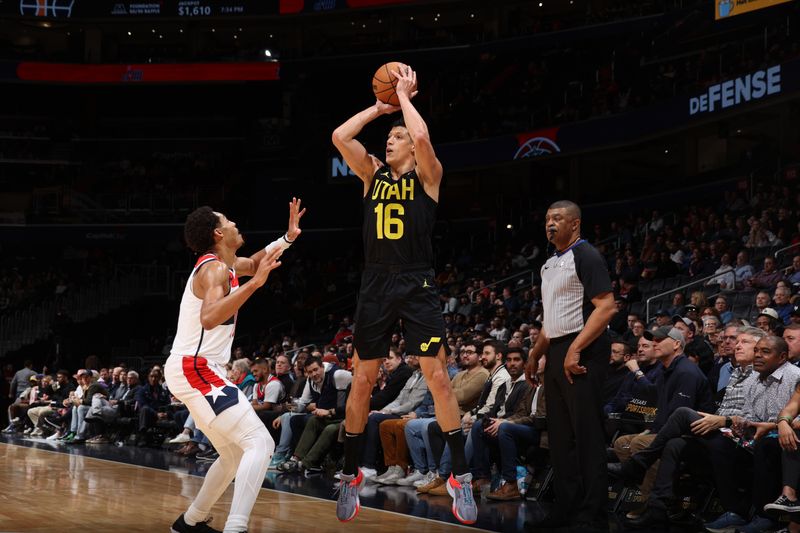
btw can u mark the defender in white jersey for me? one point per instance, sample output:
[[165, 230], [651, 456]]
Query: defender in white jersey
[[195, 369]]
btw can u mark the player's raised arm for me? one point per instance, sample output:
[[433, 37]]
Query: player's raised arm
[[247, 266], [212, 284], [429, 169], [363, 164]]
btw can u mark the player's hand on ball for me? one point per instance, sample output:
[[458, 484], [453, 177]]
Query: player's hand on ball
[[406, 82], [267, 264], [572, 366], [384, 109]]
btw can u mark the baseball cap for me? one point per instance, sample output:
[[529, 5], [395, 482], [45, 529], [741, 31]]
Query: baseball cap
[[659, 334], [770, 312], [33, 378], [690, 307], [661, 312], [82, 372], [688, 321]]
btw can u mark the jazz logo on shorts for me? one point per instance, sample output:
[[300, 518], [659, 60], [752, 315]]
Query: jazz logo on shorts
[[425, 345]]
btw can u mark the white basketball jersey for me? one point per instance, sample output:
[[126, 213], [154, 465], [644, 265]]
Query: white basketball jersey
[[191, 339]]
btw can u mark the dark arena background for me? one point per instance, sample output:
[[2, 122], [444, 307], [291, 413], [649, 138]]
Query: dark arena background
[[672, 123]]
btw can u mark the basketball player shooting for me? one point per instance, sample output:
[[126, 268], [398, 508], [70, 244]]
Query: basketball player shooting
[[195, 369], [400, 200]]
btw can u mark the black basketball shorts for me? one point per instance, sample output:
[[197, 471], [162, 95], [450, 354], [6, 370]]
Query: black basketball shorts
[[386, 296]]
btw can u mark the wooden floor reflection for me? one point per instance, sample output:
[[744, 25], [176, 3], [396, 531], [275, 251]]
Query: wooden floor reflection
[[54, 492]]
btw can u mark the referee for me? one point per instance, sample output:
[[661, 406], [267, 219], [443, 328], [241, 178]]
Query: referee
[[578, 305]]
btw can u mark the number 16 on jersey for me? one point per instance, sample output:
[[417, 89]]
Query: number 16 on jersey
[[388, 223]]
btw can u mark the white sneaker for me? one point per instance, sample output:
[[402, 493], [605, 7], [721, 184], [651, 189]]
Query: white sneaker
[[369, 473], [394, 473], [430, 476], [389, 472], [37, 432], [411, 478], [55, 436], [28, 431], [182, 438]]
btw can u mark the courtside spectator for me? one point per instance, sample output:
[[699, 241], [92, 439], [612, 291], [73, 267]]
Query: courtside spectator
[[327, 392], [391, 421], [484, 432], [397, 373], [151, 400], [621, 352]]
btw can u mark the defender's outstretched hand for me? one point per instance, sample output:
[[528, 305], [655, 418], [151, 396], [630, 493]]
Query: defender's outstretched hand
[[295, 214], [267, 264]]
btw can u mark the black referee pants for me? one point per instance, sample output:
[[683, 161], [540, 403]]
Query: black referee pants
[[576, 432]]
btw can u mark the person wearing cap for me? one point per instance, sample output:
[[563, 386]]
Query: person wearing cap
[[669, 445], [662, 318], [769, 321], [692, 312], [79, 410], [680, 384], [578, 305], [695, 345]]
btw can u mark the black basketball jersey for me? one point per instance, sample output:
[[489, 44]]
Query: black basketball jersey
[[398, 220]]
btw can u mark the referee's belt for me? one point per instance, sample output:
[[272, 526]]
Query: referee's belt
[[397, 269]]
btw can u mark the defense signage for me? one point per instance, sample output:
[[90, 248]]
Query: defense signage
[[729, 93]]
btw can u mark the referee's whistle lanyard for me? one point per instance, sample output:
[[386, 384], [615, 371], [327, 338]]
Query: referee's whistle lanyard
[[570, 247]]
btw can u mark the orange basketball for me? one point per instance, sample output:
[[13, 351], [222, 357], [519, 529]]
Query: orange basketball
[[384, 83]]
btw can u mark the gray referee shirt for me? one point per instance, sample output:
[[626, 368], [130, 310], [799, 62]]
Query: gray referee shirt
[[570, 280]]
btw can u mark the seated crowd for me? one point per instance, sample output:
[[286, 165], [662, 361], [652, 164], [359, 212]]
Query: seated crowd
[[697, 392]]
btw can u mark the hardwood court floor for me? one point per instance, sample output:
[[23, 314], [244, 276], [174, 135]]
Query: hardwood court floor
[[45, 491]]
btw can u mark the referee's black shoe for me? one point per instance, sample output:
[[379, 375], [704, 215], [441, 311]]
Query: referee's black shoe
[[180, 526], [631, 472]]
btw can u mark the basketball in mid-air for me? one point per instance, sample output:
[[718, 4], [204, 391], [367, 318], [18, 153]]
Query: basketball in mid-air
[[384, 83]]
